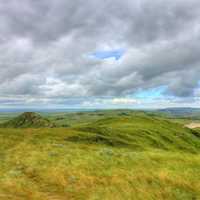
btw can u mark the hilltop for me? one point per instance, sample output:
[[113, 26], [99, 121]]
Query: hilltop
[[28, 120]]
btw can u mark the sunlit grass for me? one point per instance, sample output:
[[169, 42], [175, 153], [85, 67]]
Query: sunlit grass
[[158, 160]]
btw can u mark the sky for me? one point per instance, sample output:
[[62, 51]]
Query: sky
[[99, 54]]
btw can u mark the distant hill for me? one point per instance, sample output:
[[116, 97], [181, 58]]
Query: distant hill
[[181, 112], [28, 120]]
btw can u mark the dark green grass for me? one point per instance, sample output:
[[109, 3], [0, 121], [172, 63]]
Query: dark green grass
[[141, 132]]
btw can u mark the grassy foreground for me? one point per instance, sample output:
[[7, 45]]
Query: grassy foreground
[[124, 157]]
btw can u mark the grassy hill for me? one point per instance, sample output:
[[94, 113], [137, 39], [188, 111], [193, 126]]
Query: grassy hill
[[140, 132], [101, 155], [28, 120]]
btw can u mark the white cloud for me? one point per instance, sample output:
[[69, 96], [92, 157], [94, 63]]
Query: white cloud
[[124, 101], [111, 103]]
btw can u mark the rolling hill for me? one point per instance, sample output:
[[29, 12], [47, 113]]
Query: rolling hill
[[101, 155], [181, 112], [28, 120], [140, 132]]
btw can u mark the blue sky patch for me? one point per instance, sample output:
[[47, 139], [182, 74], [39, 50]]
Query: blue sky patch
[[151, 93], [117, 54]]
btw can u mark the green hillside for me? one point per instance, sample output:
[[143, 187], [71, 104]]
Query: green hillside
[[28, 120], [139, 133], [131, 156]]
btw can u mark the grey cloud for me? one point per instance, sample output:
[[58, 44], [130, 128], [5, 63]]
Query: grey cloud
[[45, 40]]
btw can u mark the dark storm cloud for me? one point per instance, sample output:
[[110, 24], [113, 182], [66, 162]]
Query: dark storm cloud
[[45, 47]]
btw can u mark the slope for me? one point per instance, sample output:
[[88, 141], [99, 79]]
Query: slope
[[28, 120], [139, 132]]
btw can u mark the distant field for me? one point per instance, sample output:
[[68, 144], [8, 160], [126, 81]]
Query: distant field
[[119, 155]]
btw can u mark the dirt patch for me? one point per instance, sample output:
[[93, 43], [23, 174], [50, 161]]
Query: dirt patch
[[193, 125]]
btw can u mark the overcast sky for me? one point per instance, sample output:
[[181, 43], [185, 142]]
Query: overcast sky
[[99, 53]]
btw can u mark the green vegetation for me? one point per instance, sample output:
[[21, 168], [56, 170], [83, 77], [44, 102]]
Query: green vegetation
[[28, 120], [140, 133], [100, 155]]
